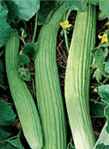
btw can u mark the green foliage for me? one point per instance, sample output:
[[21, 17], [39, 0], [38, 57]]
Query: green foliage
[[97, 109], [103, 141], [15, 12], [29, 49], [24, 73], [98, 64], [46, 10], [7, 119], [22, 97], [24, 9], [79, 5], [5, 28], [7, 115], [12, 143], [104, 8], [5, 133], [23, 59], [103, 91], [106, 67], [2, 75], [102, 146]]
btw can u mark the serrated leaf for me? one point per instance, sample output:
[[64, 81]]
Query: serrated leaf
[[97, 75], [103, 92], [24, 73], [98, 64], [99, 59], [7, 115]]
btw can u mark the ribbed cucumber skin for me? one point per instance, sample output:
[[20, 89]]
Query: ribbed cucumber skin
[[78, 77], [24, 103], [49, 98]]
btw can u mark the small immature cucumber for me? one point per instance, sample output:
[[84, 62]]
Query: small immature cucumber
[[23, 100]]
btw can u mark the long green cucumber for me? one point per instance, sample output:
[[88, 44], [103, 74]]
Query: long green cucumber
[[49, 98], [24, 103], [78, 77]]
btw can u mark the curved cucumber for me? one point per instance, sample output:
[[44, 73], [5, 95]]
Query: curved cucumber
[[49, 98], [24, 103], [78, 77]]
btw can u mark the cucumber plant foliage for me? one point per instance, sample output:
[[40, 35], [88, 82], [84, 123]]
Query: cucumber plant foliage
[[43, 120]]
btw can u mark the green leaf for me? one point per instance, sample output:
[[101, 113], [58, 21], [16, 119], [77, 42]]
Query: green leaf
[[104, 7], [97, 109], [103, 140], [29, 49], [106, 67], [12, 143], [98, 64], [45, 8], [5, 29], [2, 78], [4, 133], [106, 113], [103, 92], [102, 146], [7, 115], [24, 9], [15, 142], [79, 5], [99, 59], [98, 75], [23, 59], [94, 2], [24, 73]]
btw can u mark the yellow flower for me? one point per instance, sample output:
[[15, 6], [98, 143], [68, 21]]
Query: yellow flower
[[104, 38], [65, 24]]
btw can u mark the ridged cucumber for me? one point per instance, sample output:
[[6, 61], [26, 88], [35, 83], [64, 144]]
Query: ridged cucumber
[[23, 100], [78, 77], [49, 98]]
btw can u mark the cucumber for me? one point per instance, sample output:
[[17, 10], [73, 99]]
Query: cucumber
[[77, 78], [22, 98], [49, 98]]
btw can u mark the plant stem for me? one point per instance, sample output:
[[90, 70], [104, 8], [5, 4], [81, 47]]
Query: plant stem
[[35, 29], [66, 39]]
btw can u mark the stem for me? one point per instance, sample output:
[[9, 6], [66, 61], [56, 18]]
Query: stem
[[66, 39], [35, 29]]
